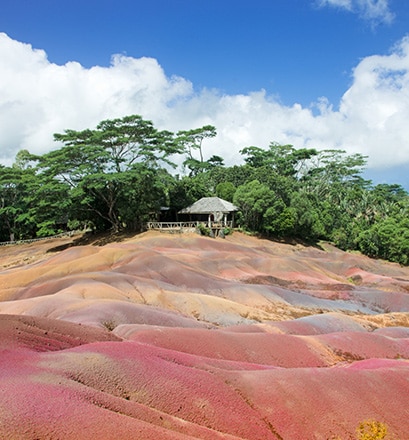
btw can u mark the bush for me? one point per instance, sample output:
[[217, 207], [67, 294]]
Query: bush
[[227, 231], [203, 230]]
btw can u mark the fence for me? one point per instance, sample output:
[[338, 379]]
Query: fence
[[33, 240], [180, 226], [172, 226]]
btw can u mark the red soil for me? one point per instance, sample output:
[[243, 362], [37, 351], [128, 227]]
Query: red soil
[[178, 337]]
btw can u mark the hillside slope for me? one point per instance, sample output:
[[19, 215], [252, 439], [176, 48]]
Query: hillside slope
[[182, 336]]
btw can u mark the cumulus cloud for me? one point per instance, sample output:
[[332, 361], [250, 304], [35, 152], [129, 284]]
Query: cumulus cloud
[[375, 11], [39, 98]]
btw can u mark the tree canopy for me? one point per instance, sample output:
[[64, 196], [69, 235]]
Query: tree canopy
[[120, 174]]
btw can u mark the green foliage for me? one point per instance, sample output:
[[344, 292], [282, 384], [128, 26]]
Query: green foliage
[[46, 228], [285, 160], [31, 204], [204, 230], [388, 239], [310, 222], [280, 220], [113, 170], [183, 192], [225, 190], [11, 202], [253, 199], [118, 176], [227, 231], [192, 140]]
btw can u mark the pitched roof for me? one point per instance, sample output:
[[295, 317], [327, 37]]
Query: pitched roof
[[208, 205]]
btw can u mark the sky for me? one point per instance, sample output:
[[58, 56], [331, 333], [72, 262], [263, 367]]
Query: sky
[[318, 74]]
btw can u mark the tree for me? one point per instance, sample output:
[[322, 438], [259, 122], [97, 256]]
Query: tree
[[192, 140], [48, 204], [285, 160], [24, 160], [279, 219], [31, 203], [120, 143], [144, 192], [11, 202], [215, 161], [226, 191], [186, 190], [387, 239], [103, 165], [309, 223], [332, 172], [253, 199]]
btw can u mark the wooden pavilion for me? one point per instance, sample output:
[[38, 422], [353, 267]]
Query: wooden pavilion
[[213, 211]]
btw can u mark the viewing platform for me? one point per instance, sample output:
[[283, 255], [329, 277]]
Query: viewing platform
[[182, 227]]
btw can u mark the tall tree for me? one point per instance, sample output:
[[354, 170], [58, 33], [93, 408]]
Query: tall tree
[[192, 140], [285, 160], [101, 165], [253, 199], [48, 204], [11, 202]]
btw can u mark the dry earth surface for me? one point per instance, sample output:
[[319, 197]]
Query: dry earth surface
[[161, 336]]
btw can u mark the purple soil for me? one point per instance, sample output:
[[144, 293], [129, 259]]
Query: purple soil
[[182, 337]]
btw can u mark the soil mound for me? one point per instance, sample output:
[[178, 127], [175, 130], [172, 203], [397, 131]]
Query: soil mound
[[178, 336]]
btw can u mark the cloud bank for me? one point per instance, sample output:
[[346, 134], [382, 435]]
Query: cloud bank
[[39, 98]]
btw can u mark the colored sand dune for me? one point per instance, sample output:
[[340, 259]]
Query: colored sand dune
[[180, 337]]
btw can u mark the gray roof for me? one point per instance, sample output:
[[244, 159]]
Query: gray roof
[[208, 205]]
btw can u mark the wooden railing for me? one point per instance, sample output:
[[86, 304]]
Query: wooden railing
[[174, 226], [33, 240]]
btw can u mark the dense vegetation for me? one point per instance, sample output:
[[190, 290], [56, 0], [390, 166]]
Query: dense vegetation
[[117, 175]]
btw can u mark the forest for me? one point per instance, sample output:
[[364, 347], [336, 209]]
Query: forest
[[116, 176]]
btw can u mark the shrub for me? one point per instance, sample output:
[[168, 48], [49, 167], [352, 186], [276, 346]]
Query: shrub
[[203, 230], [109, 324], [227, 231]]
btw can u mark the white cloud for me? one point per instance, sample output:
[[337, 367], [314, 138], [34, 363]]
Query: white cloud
[[39, 98], [346, 4], [375, 11]]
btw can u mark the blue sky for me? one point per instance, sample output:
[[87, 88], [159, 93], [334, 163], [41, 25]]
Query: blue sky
[[289, 64]]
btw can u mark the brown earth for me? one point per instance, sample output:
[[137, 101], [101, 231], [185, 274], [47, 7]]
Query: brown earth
[[160, 336]]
